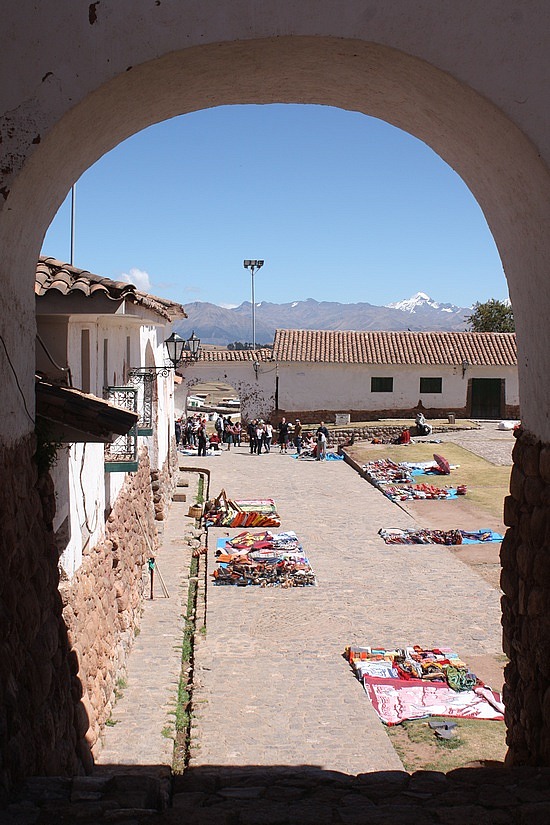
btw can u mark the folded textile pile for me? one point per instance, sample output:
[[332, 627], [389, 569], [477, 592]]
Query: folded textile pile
[[265, 559], [412, 683], [226, 512], [409, 535], [386, 471]]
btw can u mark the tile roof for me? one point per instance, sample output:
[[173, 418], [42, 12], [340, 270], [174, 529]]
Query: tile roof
[[68, 280], [72, 411], [450, 348], [207, 356]]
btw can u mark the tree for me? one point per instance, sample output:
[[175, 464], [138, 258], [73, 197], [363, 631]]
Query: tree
[[492, 316]]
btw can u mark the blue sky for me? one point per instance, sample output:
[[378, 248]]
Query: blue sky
[[341, 207]]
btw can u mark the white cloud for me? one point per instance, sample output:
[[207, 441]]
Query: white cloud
[[138, 277]]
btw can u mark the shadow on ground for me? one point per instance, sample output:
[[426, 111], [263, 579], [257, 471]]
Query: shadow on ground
[[281, 795]]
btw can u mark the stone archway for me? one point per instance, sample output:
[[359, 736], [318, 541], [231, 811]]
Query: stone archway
[[431, 76]]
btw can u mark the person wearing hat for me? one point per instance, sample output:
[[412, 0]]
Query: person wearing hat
[[298, 436]]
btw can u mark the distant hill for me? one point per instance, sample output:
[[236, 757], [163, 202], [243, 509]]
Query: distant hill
[[217, 325]]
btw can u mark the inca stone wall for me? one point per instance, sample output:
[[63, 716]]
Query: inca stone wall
[[163, 482], [40, 726], [525, 580], [102, 602]]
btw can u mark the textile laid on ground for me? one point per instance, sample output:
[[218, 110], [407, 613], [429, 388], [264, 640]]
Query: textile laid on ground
[[395, 535], [412, 683], [386, 471], [418, 492], [265, 559], [310, 455], [225, 512], [395, 480]]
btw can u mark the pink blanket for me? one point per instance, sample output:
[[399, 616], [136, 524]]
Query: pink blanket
[[396, 700]]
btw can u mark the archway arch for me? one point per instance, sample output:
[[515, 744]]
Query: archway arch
[[494, 157]]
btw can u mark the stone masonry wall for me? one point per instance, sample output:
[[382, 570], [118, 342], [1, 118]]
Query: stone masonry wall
[[163, 482], [102, 603], [40, 728], [525, 581]]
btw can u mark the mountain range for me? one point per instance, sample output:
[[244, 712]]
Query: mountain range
[[220, 325]]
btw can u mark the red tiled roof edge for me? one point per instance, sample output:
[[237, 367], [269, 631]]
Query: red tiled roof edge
[[394, 348]]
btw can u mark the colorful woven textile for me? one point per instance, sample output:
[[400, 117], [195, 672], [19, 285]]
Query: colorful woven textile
[[412, 683]]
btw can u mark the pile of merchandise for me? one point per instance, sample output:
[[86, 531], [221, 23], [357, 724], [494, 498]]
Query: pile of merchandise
[[225, 512], [386, 471], [449, 537], [264, 559], [413, 683], [419, 492]]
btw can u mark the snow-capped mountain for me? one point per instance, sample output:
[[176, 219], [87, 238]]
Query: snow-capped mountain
[[420, 301], [219, 325]]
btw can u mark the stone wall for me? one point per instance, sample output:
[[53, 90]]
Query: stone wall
[[525, 580], [511, 412], [102, 602], [40, 728], [163, 482]]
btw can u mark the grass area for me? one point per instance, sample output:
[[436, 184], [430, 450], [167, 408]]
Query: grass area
[[474, 740], [487, 484]]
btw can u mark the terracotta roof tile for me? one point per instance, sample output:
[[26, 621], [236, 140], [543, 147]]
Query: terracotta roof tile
[[224, 355], [450, 348], [53, 275]]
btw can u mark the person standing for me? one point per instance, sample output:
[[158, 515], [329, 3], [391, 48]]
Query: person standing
[[201, 437], [228, 432], [283, 435], [298, 436], [237, 430], [268, 436], [322, 438], [251, 430], [259, 436]]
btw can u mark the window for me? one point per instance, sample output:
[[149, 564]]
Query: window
[[431, 385], [378, 384]]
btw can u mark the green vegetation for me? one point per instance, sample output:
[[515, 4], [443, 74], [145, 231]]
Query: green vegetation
[[492, 316], [47, 447], [200, 490], [474, 740], [183, 712], [487, 484]]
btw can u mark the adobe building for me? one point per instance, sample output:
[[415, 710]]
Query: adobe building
[[471, 80]]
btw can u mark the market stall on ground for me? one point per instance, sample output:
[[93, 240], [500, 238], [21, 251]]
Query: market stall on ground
[[264, 559], [225, 512], [414, 683]]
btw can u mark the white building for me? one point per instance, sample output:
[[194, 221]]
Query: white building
[[104, 338], [314, 375]]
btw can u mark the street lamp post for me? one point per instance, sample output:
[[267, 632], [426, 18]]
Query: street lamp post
[[252, 266]]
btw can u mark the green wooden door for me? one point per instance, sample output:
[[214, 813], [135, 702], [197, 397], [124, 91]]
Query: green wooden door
[[487, 396]]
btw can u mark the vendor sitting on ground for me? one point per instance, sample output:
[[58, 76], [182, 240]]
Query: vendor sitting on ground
[[422, 427], [214, 441]]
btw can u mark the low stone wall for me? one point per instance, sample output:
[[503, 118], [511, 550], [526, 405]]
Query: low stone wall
[[525, 580], [39, 727], [102, 604]]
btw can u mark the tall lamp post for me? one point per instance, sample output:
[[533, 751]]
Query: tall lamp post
[[253, 266]]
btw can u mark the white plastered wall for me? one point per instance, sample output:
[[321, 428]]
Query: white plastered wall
[[469, 79]]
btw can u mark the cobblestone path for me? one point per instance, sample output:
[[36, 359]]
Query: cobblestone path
[[142, 719], [271, 686]]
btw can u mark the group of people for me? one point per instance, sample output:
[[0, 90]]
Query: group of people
[[192, 433]]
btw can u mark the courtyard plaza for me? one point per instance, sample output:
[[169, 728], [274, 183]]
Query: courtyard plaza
[[274, 657], [281, 729]]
